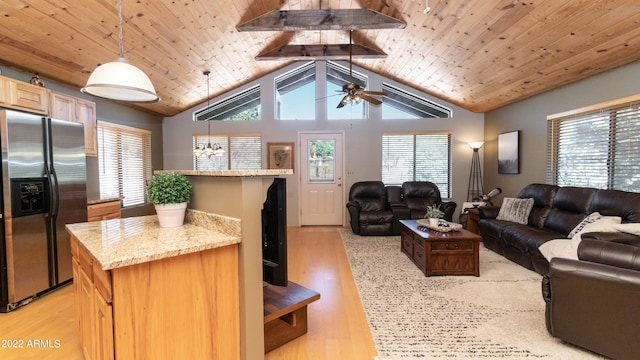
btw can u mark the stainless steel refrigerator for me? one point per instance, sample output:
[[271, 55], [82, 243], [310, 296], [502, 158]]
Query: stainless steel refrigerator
[[43, 188]]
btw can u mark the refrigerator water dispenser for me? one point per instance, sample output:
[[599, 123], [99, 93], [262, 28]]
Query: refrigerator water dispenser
[[29, 196]]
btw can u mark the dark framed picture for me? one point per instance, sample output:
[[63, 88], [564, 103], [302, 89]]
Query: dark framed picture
[[509, 153], [280, 155]]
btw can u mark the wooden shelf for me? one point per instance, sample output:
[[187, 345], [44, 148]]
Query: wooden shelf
[[285, 313]]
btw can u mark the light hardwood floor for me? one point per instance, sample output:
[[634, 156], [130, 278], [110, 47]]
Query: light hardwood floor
[[337, 324]]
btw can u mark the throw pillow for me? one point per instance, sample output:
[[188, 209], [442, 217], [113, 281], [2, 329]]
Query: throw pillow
[[605, 224], [558, 248], [591, 218], [516, 210]]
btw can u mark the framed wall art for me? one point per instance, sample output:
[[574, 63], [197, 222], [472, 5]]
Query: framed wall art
[[280, 155], [509, 153]]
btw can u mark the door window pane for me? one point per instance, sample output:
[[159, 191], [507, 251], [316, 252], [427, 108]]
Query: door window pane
[[321, 160]]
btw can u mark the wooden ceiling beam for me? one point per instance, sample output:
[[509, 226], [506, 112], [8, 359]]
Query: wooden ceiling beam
[[321, 52], [323, 19]]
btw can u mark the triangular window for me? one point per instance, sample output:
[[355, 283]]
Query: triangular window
[[241, 106], [296, 93], [400, 104]]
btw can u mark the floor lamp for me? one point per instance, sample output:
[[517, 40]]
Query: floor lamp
[[476, 189]]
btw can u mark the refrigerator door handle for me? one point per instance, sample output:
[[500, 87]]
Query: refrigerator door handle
[[54, 202]]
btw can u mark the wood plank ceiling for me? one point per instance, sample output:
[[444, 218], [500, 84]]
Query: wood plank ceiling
[[480, 55]]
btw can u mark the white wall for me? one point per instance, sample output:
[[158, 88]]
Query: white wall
[[530, 117], [363, 151]]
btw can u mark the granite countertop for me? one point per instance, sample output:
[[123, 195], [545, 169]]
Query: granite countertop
[[232, 173], [103, 200], [129, 241]]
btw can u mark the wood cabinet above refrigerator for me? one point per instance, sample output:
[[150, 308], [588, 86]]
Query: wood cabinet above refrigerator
[[19, 95], [70, 108]]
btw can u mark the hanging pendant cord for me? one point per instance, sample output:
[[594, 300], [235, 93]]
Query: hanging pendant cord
[[208, 121], [120, 28]]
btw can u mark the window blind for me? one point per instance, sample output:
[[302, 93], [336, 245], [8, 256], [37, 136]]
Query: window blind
[[417, 157], [596, 148], [242, 152], [124, 161]]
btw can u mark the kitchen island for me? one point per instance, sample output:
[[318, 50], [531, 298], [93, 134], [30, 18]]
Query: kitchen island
[[145, 292], [240, 194]]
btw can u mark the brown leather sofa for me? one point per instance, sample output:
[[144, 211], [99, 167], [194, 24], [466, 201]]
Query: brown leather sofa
[[556, 211], [375, 209], [593, 302]]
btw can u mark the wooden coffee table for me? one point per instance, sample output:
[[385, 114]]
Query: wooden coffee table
[[441, 253]]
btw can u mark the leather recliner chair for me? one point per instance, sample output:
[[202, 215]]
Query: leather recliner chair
[[369, 209], [593, 302], [417, 195]]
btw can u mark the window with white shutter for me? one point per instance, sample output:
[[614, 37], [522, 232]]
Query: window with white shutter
[[597, 146], [241, 152], [124, 161], [417, 157]]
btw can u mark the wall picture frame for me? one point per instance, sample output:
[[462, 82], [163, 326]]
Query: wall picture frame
[[280, 155], [509, 153]]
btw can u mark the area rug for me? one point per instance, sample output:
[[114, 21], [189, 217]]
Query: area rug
[[497, 315]]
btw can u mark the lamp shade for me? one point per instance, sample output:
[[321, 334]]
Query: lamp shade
[[476, 144], [119, 80]]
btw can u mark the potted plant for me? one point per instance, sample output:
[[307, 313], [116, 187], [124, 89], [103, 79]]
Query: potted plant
[[169, 193], [434, 214]]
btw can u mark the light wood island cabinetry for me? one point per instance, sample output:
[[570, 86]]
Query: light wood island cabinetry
[[240, 194], [145, 292]]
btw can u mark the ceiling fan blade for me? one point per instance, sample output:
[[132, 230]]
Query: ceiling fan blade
[[368, 98], [343, 102], [373, 92]]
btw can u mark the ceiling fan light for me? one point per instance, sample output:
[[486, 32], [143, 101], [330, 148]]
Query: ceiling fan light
[[121, 81]]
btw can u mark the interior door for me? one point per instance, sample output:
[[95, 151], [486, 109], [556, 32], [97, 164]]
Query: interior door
[[321, 191]]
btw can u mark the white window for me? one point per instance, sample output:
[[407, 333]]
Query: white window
[[596, 147], [241, 152], [241, 106], [400, 104], [417, 157], [296, 93], [124, 160]]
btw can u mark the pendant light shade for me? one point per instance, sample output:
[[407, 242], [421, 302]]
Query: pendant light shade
[[119, 80]]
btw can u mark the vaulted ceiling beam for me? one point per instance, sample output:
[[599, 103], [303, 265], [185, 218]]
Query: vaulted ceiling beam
[[320, 52], [323, 19]]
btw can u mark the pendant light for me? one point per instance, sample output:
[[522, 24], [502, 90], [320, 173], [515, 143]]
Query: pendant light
[[119, 80], [209, 150]]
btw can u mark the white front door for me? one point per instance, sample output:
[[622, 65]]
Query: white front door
[[321, 192]]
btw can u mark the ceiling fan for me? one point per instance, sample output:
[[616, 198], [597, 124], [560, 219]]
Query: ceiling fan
[[354, 94]]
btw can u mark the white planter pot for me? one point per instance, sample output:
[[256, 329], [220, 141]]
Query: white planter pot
[[433, 222], [171, 215]]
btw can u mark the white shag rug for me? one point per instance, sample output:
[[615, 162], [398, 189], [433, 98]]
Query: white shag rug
[[497, 315]]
